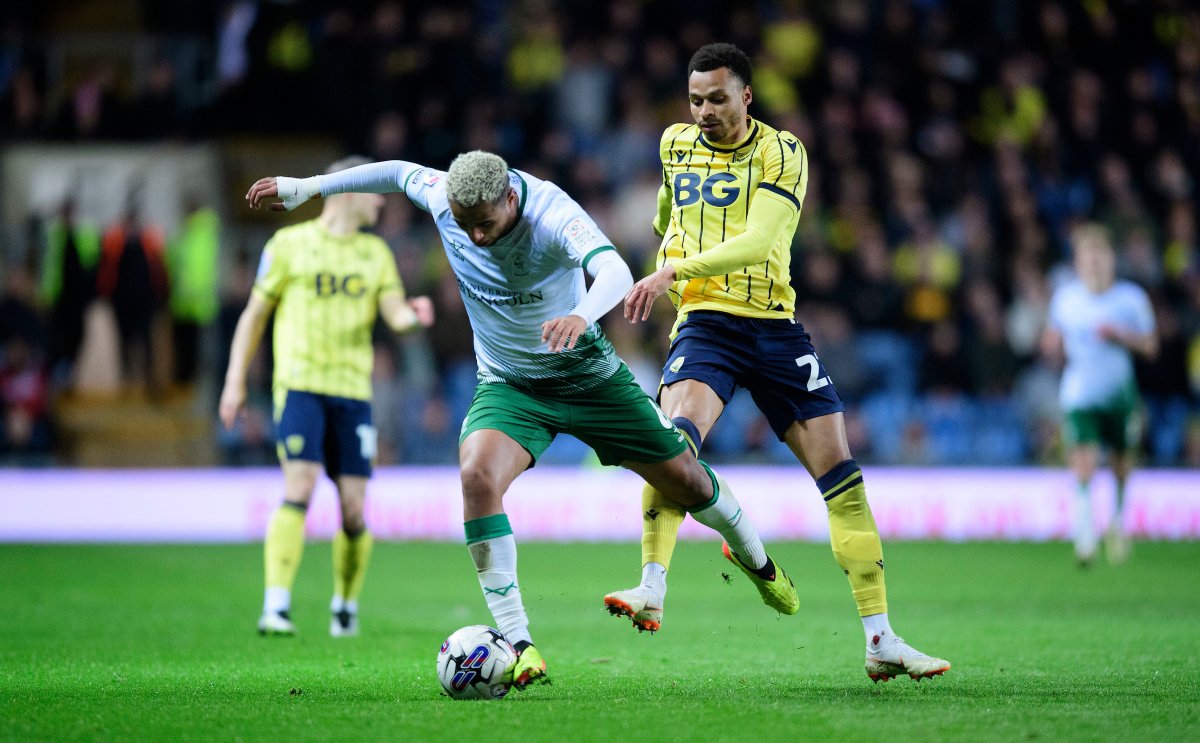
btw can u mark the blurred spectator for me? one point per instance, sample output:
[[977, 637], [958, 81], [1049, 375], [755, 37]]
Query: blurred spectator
[[22, 106], [155, 113], [1163, 382], [929, 269], [944, 371], [192, 276], [24, 397], [93, 111], [133, 277], [68, 284]]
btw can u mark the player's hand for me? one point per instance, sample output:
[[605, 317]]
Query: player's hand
[[261, 194], [562, 332], [640, 298], [290, 192], [423, 308], [233, 401]]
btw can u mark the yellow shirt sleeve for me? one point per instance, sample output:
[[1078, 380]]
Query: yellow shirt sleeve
[[272, 271], [389, 277], [768, 218], [663, 218]]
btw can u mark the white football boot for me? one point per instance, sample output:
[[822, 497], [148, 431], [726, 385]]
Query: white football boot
[[273, 623], [889, 656], [642, 607]]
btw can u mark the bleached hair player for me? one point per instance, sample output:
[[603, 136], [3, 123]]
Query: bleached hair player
[[477, 178]]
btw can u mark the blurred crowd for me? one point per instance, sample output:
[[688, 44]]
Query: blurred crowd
[[952, 147]]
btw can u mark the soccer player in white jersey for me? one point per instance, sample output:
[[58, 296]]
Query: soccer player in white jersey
[[519, 246], [1099, 323]]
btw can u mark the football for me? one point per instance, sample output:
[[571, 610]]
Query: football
[[472, 662]]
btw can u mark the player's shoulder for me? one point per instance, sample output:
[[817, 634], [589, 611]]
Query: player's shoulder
[[541, 200], [1125, 286], [1130, 291], [782, 142], [676, 132], [1068, 289], [292, 234], [373, 243]]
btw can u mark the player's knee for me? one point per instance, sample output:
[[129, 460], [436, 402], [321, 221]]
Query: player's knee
[[353, 521], [353, 525], [299, 485], [479, 483], [687, 482]]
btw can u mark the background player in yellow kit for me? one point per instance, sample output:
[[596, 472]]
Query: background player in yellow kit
[[326, 282], [727, 210]]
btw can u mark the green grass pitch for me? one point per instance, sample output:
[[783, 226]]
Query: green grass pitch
[[158, 643]]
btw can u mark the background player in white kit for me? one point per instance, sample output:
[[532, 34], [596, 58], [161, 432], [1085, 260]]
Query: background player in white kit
[[519, 246], [1099, 323]]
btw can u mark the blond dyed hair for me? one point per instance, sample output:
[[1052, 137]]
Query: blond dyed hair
[[477, 177]]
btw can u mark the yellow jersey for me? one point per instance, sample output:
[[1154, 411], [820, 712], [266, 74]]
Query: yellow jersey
[[325, 290], [705, 201]]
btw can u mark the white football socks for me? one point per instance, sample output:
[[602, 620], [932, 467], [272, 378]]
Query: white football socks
[[496, 567], [726, 518]]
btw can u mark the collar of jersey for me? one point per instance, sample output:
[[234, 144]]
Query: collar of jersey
[[524, 192], [750, 134], [504, 241], [336, 238]]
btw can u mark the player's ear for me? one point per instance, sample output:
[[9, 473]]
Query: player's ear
[[747, 95]]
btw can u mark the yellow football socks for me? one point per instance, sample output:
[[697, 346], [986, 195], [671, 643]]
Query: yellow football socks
[[854, 536], [350, 558], [284, 545], [661, 519]]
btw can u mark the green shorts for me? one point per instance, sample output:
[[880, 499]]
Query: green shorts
[[616, 418], [1115, 426]]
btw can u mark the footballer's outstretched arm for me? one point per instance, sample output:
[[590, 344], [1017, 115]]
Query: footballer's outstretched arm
[[388, 176]]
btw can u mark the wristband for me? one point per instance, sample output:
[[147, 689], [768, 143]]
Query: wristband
[[295, 191]]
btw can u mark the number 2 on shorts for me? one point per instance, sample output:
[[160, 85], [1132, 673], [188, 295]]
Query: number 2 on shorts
[[814, 368]]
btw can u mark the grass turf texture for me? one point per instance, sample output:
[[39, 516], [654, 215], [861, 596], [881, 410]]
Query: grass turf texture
[[158, 642]]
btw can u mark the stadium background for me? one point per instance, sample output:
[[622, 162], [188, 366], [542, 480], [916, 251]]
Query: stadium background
[[952, 147]]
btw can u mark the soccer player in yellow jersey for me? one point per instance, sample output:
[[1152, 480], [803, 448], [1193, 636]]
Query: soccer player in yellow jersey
[[728, 207], [326, 282]]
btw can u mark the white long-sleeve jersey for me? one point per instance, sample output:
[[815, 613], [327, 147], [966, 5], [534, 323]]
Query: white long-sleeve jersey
[[531, 275]]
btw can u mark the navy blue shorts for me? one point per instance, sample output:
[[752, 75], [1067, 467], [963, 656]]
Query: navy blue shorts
[[773, 359], [329, 429]]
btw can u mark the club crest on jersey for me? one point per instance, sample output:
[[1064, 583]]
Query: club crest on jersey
[[456, 250], [519, 264]]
